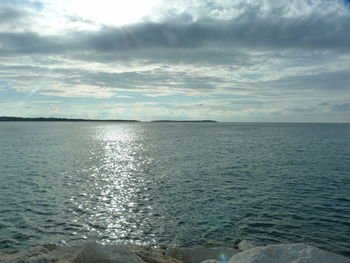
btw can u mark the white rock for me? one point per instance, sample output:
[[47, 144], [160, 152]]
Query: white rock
[[287, 253], [197, 255], [246, 244], [96, 253]]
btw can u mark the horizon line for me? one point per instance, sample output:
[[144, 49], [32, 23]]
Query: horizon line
[[63, 119]]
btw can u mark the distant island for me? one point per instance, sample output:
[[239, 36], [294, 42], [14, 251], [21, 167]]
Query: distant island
[[183, 121], [6, 118], [57, 119]]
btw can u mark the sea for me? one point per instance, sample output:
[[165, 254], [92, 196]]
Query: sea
[[174, 184]]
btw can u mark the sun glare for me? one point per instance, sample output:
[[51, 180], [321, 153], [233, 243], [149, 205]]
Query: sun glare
[[118, 12]]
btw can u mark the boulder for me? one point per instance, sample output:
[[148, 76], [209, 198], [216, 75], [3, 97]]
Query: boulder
[[197, 255], [32, 254], [151, 254], [287, 253], [246, 244], [155, 250], [149, 257], [96, 253], [65, 254]]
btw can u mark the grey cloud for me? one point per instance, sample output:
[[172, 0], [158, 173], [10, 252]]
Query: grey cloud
[[342, 107], [308, 109], [203, 56], [248, 31], [29, 43], [156, 80], [324, 81], [324, 107], [10, 15]]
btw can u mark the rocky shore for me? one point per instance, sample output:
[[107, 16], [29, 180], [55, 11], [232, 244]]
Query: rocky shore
[[246, 252]]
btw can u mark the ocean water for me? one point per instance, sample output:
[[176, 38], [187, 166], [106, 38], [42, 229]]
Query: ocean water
[[190, 184]]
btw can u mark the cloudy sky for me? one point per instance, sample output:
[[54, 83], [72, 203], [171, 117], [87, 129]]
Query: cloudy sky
[[228, 60]]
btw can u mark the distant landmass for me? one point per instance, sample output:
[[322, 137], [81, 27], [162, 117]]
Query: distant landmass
[[183, 121], [57, 119], [6, 118]]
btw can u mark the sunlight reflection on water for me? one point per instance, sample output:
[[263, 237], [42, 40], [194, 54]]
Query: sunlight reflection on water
[[112, 183], [175, 183]]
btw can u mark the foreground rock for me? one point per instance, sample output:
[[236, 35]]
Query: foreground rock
[[40, 254], [287, 253], [152, 255], [90, 253], [246, 244], [197, 255], [96, 253]]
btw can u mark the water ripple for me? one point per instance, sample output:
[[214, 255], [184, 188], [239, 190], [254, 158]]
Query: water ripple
[[175, 184]]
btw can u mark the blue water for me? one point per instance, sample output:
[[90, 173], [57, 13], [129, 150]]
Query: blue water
[[191, 184]]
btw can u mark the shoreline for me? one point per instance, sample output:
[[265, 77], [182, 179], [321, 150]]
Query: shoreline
[[245, 252]]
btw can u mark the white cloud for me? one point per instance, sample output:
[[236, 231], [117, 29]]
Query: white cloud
[[215, 59]]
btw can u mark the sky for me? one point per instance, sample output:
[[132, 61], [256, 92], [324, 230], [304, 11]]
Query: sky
[[224, 60]]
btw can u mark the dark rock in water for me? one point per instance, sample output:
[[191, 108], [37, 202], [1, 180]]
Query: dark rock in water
[[50, 247], [96, 253]]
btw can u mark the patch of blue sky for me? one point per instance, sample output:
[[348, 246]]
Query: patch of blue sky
[[347, 3], [25, 3]]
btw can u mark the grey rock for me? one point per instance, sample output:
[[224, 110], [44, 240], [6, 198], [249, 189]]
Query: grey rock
[[150, 257], [246, 244], [96, 253], [65, 254], [37, 254], [287, 253], [154, 250], [197, 255], [211, 261]]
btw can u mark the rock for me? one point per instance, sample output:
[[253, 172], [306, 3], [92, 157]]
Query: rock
[[150, 257], [151, 254], [197, 255], [154, 250], [37, 254], [40, 254], [287, 253], [50, 247], [65, 254], [246, 244], [31, 252], [211, 261], [96, 253]]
